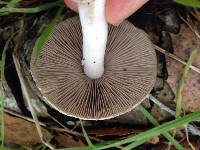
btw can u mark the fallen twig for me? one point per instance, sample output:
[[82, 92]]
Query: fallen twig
[[175, 58], [191, 28], [196, 14], [29, 99], [25, 92]]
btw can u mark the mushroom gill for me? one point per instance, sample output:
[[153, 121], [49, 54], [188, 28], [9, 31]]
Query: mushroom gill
[[129, 76]]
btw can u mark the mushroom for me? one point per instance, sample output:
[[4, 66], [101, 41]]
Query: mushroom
[[129, 74], [95, 30]]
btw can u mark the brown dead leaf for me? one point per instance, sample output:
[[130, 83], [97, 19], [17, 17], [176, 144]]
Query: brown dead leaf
[[183, 44], [159, 114], [68, 141], [154, 140], [21, 132], [196, 13]]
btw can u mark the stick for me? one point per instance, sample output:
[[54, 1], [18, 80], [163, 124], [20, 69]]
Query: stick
[[175, 58]]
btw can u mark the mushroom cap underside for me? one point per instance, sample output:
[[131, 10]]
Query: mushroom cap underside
[[129, 76]]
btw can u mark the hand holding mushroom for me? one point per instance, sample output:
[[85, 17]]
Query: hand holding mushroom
[[94, 15], [119, 64]]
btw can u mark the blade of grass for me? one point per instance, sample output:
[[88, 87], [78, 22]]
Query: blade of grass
[[86, 136], [155, 123], [190, 3], [42, 146], [32, 10], [2, 97], [157, 130], [90, 147], [145, 135], [13, 3], [78, 148], [182, 82], [193, 130], [45, 34], [181, 87], [134, 144], [10, 4]]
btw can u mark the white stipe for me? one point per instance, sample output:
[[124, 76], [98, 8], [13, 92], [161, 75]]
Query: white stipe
[[95, 31]]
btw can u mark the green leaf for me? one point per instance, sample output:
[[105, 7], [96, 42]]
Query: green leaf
[[190, 3], [45, 34]]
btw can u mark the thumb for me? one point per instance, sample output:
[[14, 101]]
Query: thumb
[[72, 5], [118, 10]]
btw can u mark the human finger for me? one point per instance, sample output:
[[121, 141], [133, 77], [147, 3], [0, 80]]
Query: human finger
[[72, 5], [118, 10]]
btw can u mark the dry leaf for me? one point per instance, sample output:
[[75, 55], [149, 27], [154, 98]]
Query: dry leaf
[[68, 141], [154, 140], [21, 132]]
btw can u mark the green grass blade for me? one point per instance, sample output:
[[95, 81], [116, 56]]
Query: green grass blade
[[79, 148], [182, 82], [145, 135], [45, 34], [86, 136], [157, 130], [155, 123], [148, 115], [134, 144], [190, 3], [2, 96], [32, 10], [13, 3]]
